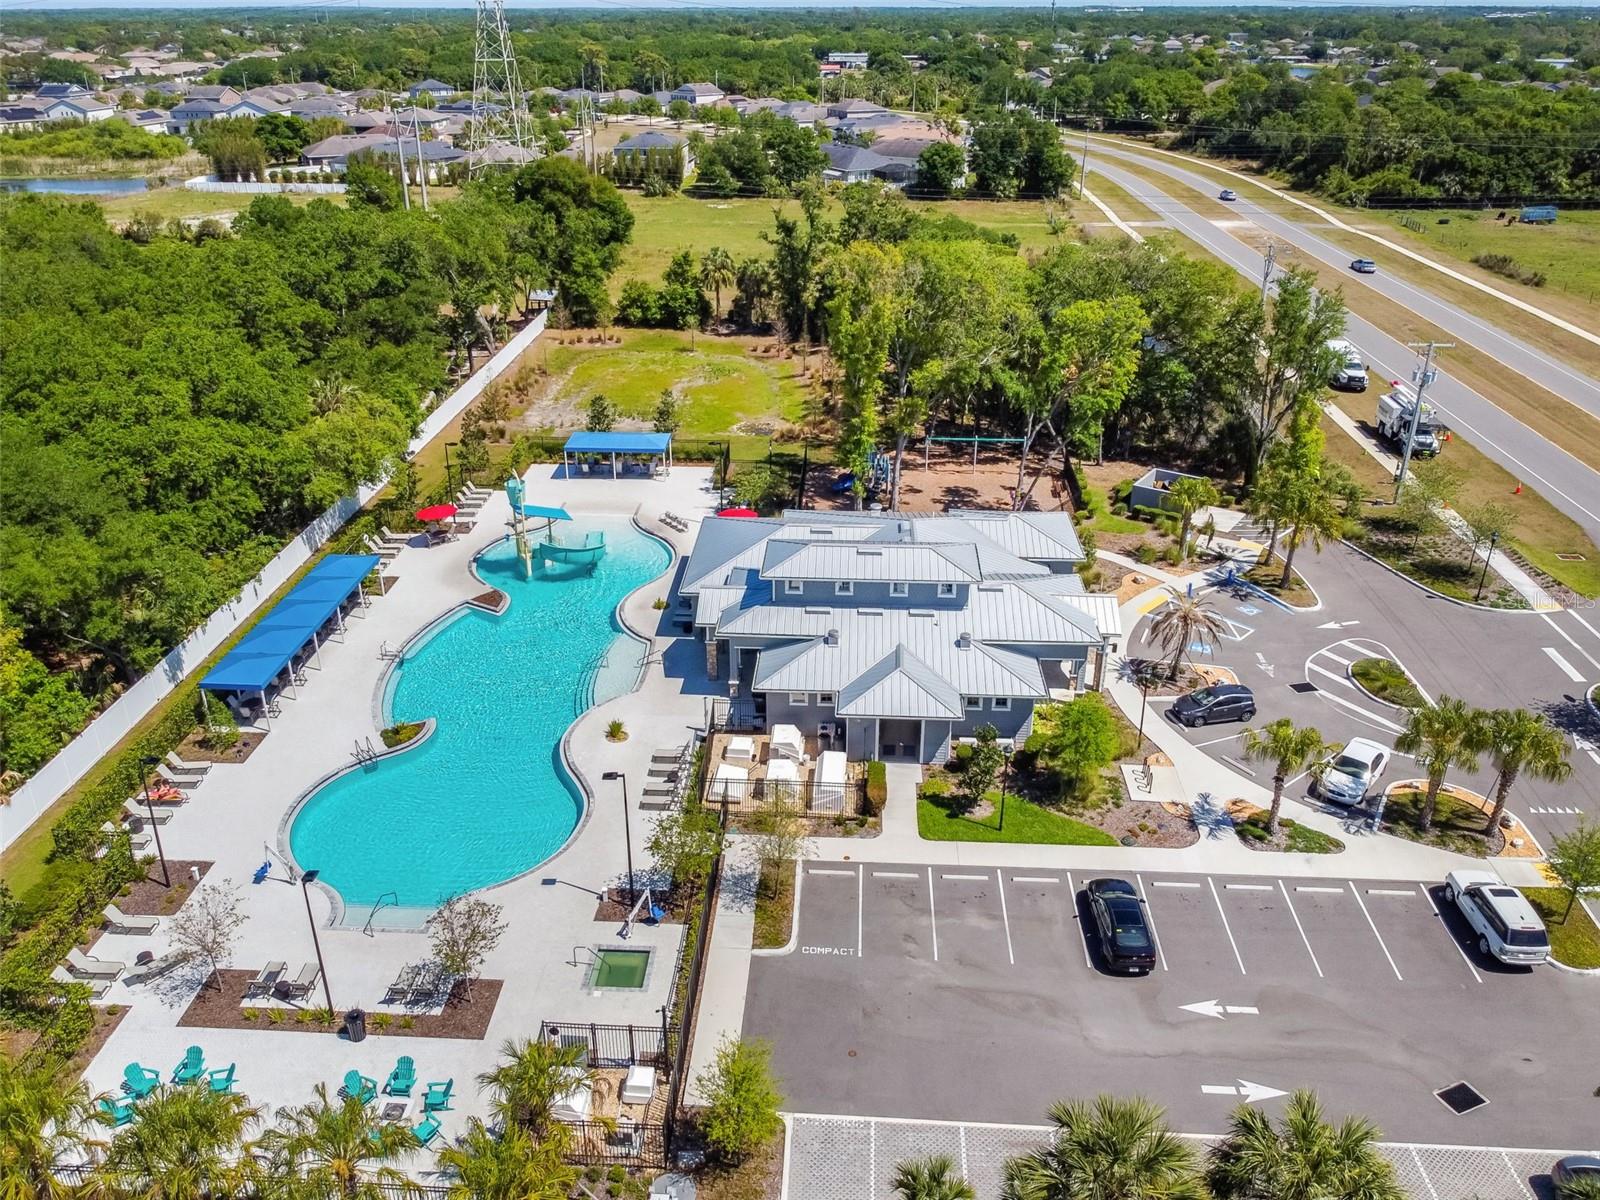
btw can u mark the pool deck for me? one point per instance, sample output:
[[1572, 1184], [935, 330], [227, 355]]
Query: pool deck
[[234, 819]]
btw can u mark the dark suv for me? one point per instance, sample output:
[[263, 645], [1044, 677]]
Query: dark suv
[[1219, 702], [1126, 943]]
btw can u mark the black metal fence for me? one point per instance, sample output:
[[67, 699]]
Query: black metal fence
[[616, 1045], [622, 1143]]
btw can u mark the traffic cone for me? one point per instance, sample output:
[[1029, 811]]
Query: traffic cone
[[1517, 491]]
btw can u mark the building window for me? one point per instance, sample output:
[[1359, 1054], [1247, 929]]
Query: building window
[[844, 587], [973, 703], [825, 699], [794, 587], [1001, 704], [946, 590], [798, 699], [899, 588]]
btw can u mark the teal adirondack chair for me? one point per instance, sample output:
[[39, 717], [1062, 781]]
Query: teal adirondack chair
[[139, 1081], [358, 1085], [221, 1079], [426, 1129], [438, 1096], [403, 1078], [118, 1112], [191, 1068]]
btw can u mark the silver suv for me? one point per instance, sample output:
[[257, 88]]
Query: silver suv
[[1506, 925]]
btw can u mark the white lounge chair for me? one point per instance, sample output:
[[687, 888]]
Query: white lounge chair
[[121, 922], [97, 987], [83, 964], [183, 782], [398, 540], [157, 966], [302, 983], [184, 767], [265, 980], [136, 810]]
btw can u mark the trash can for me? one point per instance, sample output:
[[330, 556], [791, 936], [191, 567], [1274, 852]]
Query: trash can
[[355, 1025]]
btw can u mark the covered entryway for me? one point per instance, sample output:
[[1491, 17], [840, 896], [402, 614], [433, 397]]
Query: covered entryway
[[899, 739]]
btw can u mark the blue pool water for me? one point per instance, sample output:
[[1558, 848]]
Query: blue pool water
[[88, 186], [485, 797]]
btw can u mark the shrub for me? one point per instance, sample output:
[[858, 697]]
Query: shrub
[[381, 1021], [877, 787], [616, 731], [1145, 553]]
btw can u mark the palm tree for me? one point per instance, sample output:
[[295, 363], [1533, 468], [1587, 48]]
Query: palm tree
[[335, 1148], [932, 1178], [1186, 496], [330, 393], [1183, 620], [1311, 505], [1290, 750], [535, 1074], [1111, 1149], [511, 1166], [716, 273], [43, 1120], [1448, 734], [1305, 1158], [1518, 741], [185, 1145]]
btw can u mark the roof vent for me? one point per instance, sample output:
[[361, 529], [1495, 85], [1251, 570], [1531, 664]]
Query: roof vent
[[870, 612], [832, 638], [818, 612], [964, 641]]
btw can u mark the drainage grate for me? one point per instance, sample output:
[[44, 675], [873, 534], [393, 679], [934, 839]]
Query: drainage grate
[[1461, 1098], [1302, 687], [1570, 557]]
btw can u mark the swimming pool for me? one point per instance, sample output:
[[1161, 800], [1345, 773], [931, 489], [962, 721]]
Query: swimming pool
[[485, 797]]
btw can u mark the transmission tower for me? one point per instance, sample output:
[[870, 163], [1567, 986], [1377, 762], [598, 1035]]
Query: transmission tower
[[498, 112]]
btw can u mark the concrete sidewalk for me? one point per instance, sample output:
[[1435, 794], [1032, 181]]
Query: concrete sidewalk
[[727, 971]]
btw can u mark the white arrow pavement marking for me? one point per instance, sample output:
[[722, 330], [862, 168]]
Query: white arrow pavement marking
[[1252, 1092], [1211, 1008], [1337, 624]]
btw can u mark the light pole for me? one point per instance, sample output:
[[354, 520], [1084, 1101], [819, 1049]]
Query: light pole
[[627, 830], [306, 880], [1494, 540], [166, 876]]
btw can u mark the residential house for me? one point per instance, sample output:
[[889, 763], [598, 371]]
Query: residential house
[[223, 94], [895, 634], [697, 93], [900, 155], [850, 164], [186, 115], [151, 120], [62, 91], [801, 112], [652, 151], [80, 108], [845, 110], [434, 87], [849, 60], [334, 153]]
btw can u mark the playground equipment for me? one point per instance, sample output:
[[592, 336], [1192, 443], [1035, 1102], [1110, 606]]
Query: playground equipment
[[551, 547]]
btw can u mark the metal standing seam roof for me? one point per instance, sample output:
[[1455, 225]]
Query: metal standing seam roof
[[283, 632], [899, 685], [870, 561], [618, 442]]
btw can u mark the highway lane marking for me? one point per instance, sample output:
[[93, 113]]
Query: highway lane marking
[[1596, 661], [1567, 668], [1302, 930], [1083, 936], [1251, 1092], [1214, 1008], [1248, 887], [1228, 928], [1383, 944], [1161, 950], [895, 875], [1004, 915], [933, 917]]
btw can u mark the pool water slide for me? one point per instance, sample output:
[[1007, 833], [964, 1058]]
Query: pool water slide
[[1570, 485], [1536, 365]]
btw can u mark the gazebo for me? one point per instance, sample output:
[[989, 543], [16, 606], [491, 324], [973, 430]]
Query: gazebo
[[640, 442]]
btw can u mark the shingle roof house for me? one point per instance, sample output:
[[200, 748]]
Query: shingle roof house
[[897, 633]]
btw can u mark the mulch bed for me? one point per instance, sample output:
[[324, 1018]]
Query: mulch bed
[[614, 907], [190, 749], [1166, 829], [106, 1021], [150, 898], [494, 600], [463, 1018]]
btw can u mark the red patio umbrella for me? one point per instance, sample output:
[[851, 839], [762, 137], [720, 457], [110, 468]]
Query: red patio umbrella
[[436, 512], [738, 512]]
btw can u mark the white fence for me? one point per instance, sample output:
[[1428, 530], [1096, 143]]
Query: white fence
[[111, 726], [210, 183]]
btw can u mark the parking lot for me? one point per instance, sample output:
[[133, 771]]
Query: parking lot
[[906, 984]]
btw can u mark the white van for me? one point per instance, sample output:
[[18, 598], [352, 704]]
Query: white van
[[1506, 925]]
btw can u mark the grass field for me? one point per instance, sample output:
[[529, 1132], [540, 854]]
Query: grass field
[[1027, 822], [720, 386], [1575, 941], [1568, 252]]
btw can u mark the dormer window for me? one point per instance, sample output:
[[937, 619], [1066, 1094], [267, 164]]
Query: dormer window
[[947, 591], [844, 587], [794, 587], [899, 587]]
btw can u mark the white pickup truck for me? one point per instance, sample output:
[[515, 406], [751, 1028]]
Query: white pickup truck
[[1351, 373]]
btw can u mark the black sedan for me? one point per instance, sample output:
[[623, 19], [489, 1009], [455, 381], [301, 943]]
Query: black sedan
[[1126, 940]]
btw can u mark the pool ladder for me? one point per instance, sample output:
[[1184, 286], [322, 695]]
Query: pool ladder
[[364, 752]]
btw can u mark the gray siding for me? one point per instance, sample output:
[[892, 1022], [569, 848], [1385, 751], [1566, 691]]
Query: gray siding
[[1017, 723], [781, 712], [868, 594]]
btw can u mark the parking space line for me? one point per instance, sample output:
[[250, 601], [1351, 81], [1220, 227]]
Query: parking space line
[[1328, 890], [933, 917], [1429, 897], [1417, 1158], [1376, 934], [1159, 948], [1337, 678], [894, 874], [1390, 892], [970, 878], [1515, 1174], [1005, 916], [1247, 887], [1381, 722], [1565, 667], [1235, 763], [1072, 899], [1228, 928], [1172, 883], [1214, 741], [1302, 930], [1343, 662], [861, 905], [1572, 643], [1034, 879]]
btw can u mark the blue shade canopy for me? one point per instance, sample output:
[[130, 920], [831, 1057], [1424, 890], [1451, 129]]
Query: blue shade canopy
[[275, 639], [548, 514], [619, 442]]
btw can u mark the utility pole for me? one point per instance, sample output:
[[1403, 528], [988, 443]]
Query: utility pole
[[1423, 379], [422, 170], [1266, 267], [1083, 180], [400, 149]]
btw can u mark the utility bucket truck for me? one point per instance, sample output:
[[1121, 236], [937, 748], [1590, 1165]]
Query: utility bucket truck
[[1396, 410]]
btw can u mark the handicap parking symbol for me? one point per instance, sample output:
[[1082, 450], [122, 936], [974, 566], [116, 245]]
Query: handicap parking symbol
[[1199, 648], [1249, 610]]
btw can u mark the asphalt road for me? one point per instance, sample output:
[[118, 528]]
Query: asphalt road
[[911, 989], [1495, 659], [1527, 360], [1570, 485]]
